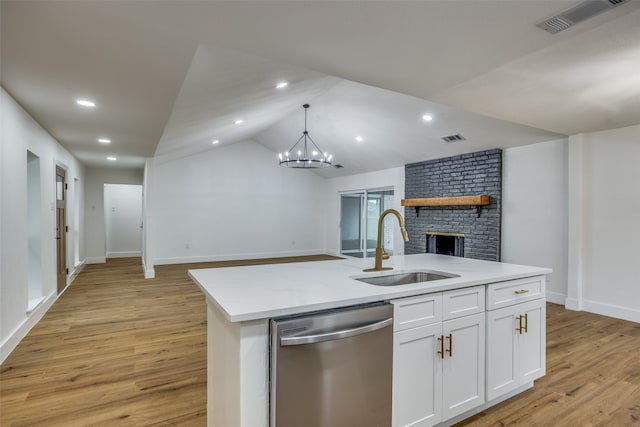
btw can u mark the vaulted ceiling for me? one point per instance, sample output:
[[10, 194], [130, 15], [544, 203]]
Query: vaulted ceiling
[[170, 77]]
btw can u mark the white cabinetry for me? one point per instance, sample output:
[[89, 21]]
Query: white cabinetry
[[516, 334], [417, 376], [463, 364], [439, 356]]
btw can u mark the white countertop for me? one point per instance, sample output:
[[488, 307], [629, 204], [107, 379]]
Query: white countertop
[[274, 290]]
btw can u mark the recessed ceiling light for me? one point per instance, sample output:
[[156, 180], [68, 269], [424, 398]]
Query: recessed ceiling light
[[111, 158], [427, 117], [282, 84], [104, 140], [238, 121], [85, 103], [359, 138], [215, 141]]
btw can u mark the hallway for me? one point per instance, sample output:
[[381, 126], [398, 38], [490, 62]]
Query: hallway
[[115, 349]]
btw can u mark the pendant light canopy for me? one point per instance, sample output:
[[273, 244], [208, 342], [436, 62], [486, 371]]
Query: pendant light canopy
[[305, 156]]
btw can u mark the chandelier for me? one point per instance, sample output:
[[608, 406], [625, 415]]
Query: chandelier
[[306, 156]]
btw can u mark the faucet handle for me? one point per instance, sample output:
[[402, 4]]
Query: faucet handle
[[385, 255]]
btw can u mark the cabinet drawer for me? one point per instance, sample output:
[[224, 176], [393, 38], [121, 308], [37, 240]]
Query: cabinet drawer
[[503, 294], [417, 311], [463, 302]]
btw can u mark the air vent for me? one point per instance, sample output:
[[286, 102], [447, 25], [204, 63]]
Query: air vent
[[557, 24], [579, 13], [338, 166], [454, 138]]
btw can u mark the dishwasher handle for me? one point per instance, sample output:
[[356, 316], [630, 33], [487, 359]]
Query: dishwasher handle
[[330, 336]]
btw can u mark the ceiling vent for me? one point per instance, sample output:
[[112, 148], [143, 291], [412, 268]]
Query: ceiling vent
[[454, 138], [338, 166], [579, 13]]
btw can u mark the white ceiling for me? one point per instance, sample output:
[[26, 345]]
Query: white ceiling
[[169, 77]]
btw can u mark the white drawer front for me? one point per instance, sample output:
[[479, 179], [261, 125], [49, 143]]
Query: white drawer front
[[503, 294], [463, 302], [417, 311]]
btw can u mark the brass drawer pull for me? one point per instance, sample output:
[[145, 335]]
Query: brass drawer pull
[[522, 291]]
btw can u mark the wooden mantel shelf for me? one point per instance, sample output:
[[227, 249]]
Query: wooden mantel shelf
[[477, 201], [448, 201]]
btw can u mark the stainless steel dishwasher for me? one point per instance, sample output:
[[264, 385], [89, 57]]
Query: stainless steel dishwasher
[[332, 369]]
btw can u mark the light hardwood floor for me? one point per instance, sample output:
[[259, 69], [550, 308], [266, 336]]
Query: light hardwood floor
[[119, 350]]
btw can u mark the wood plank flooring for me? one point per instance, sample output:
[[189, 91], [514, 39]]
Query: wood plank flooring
[[119, 350]]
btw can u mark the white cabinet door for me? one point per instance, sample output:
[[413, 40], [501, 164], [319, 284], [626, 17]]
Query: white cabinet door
[[502, 363], [463, 386], [516, 346], [417, 377], [532, 342]]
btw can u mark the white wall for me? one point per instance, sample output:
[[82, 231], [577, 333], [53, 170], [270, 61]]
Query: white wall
[[19, 133], [393, 178], [123, 217], [611, 228], [96, 247], [232, 202], [534, 210]]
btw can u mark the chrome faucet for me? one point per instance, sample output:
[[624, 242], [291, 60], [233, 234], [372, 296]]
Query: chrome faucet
[[380, 252]]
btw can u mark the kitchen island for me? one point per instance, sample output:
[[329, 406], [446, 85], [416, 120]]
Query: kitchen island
[[242, 300]]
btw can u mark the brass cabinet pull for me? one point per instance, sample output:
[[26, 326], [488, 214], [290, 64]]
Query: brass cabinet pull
[[450, 350], [441, 352], [522, 291], [519, 328]]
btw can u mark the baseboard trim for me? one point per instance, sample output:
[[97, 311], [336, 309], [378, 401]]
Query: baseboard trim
[[76, 270], [12, 341], [96, 260], [233, 257], [149, 273], [611, 310], [556, 297], [34, 303], [573, 304], [126, 254]]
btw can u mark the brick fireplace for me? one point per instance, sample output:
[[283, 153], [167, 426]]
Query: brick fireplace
[[477, 230]]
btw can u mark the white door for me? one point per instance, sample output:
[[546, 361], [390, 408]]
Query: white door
[[463, 366], [123, 220], [417, 376]]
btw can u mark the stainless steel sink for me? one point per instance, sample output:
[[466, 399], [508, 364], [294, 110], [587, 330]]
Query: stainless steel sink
[[405, 278]]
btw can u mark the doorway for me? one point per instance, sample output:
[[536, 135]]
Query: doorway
[[359, 214], [35, 291], [123, 220], [61, 231]]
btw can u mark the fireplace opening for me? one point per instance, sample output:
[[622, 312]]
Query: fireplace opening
[[445, 243]]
